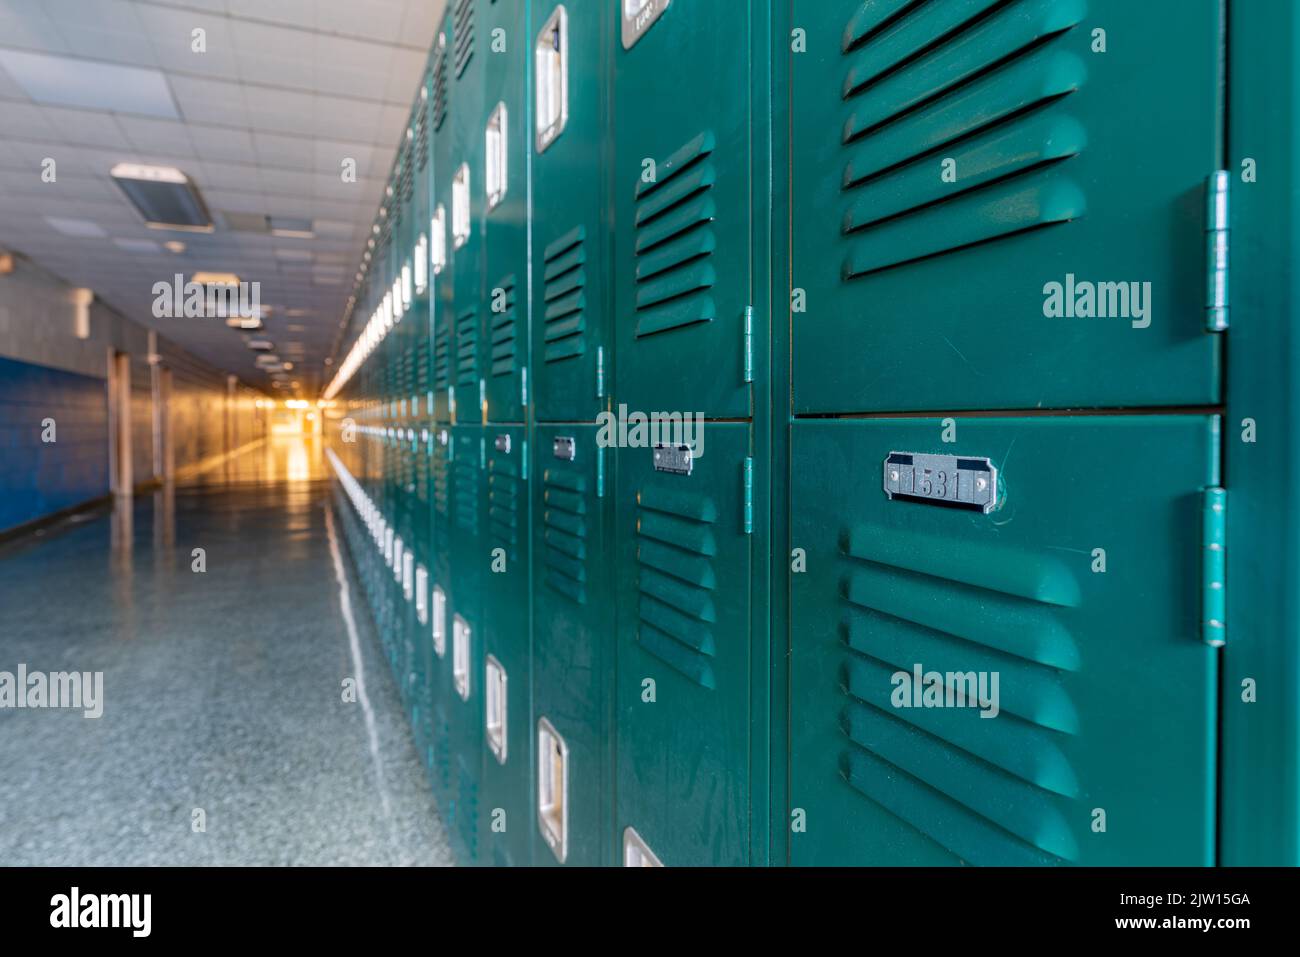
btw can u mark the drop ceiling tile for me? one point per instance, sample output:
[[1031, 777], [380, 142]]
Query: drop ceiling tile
[[27, 25], [420, 23], [284, 152], [345, 79], [54, 80], [374, 20], [299, 13], [280, 111], [171, 32], [149, 135], [221, 143], [330, 155], [23, 121], [405, 71], [86, 128], [210, 101], [76, 228], [341, 118]]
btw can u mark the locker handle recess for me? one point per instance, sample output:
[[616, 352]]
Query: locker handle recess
[[439, 622], [460, 224], [638, 17], [496, 174], [494, 694], [636, 853], [460, 635], [551, 62], [553, 789]]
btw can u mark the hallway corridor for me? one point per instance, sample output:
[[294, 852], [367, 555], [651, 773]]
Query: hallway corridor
[[222, 689]]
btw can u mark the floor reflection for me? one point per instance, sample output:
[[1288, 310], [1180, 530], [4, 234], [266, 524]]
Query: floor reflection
[[221, 685]]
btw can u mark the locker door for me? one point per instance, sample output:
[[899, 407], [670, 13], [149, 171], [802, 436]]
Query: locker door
[[442, 299], [573, 647], [954, 159], [504, 126], [1080, 596], [440, 616], [507, 675], [464, 174], [683, 567], [682, 211], [465, 638], [571, 45]]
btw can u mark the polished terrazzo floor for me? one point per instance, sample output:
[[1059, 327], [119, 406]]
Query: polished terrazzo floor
[[222, 690]]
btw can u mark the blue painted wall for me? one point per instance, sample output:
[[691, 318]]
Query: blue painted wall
[[38, 478]]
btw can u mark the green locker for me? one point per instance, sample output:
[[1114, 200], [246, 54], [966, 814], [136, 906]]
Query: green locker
[[1260, 817], [440, 616], [465, 639], [442, 299], [1002, 205], [573, 648], [683, 565], [683, 256], [504, 127], [464, 175], [506, 680], [572, 43], [1069, 615]]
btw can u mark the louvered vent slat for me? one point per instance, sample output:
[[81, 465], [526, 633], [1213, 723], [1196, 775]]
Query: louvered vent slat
[[565, 278], [504, 328], [565, 532], [467, 349], [676, 546], [463, 34], [991, 792], [505, 491], [465, 492], [440, 87], [422, 137], [442, 358], [675, 241], [982, 83]]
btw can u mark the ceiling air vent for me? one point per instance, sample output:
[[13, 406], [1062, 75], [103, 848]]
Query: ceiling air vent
[[164, 196]]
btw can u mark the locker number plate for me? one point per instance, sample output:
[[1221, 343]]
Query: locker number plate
[[677, 459], [970, 483]]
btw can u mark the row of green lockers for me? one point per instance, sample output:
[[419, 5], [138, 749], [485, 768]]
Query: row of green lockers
[[612, 654]]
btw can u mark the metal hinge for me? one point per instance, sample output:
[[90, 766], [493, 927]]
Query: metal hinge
[[1214, 535], [1216, 251], [523, 387], [600, 471], [748, 471], [600, 372], [749, 344]]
